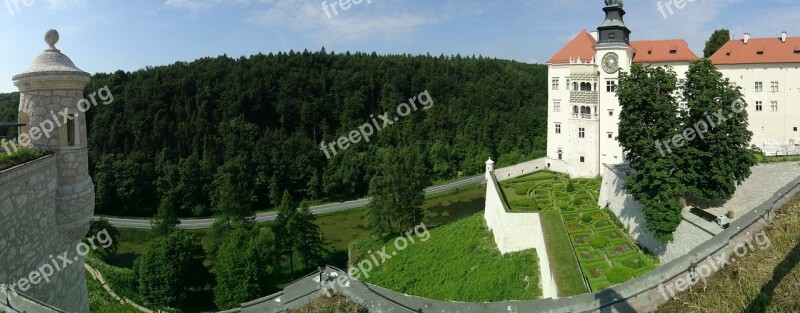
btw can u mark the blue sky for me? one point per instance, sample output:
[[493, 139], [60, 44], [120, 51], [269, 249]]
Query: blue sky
[[107, 35]]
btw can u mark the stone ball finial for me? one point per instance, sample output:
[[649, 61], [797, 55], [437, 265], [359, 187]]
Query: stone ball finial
[[51, 38], [614, 3]]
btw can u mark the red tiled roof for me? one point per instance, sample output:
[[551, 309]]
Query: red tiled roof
[[657, 51], [582, 46], [758, 51]]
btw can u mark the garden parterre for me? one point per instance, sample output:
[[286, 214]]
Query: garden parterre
[[606, 254]]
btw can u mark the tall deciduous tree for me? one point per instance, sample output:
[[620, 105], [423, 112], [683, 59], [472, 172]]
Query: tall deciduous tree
[[718, 39], [243, 267], [169, 268], [719, 159], [649, 120]]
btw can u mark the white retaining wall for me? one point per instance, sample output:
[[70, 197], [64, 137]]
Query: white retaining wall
[[517, 232]]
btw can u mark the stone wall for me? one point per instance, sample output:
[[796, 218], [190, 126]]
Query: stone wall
[[525, 168], [691, 232], [30, 238]]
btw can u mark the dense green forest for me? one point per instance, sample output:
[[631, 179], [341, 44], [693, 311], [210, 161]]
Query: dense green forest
[[183, 133]]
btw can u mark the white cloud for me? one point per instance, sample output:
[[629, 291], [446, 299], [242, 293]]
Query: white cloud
[[62, 4], [398, 20], [199, 5]]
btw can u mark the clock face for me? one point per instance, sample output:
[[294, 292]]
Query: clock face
[[611, 62]]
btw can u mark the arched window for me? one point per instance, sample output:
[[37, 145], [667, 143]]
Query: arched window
[[575, 86], [575, 109]]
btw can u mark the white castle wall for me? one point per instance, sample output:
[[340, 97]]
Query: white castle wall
[[526, 168], [517, 232], [29, 240]]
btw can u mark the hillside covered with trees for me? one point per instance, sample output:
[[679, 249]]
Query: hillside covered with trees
[[238, 132]]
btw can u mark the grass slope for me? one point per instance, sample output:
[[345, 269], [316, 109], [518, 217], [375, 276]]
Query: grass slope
[[762, 281], [460, 262], [565, 267]]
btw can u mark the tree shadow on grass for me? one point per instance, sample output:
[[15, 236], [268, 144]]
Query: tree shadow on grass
[[765, 297]]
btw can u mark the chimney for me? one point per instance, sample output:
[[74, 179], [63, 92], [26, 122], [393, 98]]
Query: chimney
[[783, 37], [746, 38], [594, 35]]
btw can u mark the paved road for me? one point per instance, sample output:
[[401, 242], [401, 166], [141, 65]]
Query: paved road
[[270, 216]]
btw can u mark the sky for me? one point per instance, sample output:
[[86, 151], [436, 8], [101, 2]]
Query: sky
[[109, 35]]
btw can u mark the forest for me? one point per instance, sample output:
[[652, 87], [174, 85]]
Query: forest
[[199, 135]]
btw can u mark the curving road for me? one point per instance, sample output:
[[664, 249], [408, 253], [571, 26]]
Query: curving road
[[270, 216]]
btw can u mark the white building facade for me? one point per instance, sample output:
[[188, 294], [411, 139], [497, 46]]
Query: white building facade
[[583, 113]]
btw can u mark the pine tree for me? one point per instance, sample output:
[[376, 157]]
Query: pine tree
[[285, 240], [166, 219]]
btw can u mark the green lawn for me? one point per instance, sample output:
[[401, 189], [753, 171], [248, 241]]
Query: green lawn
[[460, 262], [606, 255]]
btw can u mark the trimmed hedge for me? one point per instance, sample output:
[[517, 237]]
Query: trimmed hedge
[[599, 242], [619, 274]]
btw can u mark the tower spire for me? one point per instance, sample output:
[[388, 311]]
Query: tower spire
[[613, 29]]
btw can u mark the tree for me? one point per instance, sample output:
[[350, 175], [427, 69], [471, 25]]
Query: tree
[[169, 268], [296, 233], [648, 121], [243, 268], [234, 200], [718, 39], [309, 242], [166, 219], [719, 158], [397, 191], [285, 241], [103, 226]]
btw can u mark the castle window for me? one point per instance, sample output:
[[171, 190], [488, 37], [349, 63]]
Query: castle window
[[610, 112], [555, 83], [774, 87], [581, 132], [759, 106], [759, 87], [71, 132], [611, 86], [612, 36], [568, 84], [610, 135], [558, 128], [774, 106], [557, 106], [795, 129], [583, 159]]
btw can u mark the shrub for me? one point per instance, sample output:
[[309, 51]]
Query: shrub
[[336, 302], [577, 201], [599, 242], [520, 191], [570, 187], [521, 202], [586, 217], [619, 274], [534, 205]]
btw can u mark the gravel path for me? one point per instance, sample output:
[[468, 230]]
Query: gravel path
[[759, 187]]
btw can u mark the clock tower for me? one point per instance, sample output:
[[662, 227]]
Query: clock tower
[[614, 53]]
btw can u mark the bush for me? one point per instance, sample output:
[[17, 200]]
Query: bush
[[586, 217], [619, 274], [521, 191], [599, 242], [534, 205], [570, 187], [336, 302], [577, 201], [22, 155], [521, 203]]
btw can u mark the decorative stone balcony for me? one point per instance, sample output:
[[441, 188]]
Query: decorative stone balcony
[[585, 97]]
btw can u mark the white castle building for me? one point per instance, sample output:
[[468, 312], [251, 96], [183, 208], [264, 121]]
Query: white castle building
[[583, 114]]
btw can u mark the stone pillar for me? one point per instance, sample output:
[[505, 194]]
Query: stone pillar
[[489, 168], [50, 91]]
